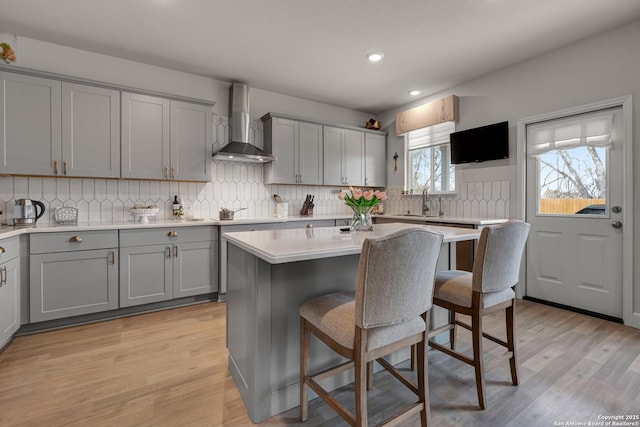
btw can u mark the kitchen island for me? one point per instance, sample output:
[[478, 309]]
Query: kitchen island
[[270, 274]]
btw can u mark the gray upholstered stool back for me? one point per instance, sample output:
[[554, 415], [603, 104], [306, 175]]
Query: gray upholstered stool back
[[497, 263], [396, 277]]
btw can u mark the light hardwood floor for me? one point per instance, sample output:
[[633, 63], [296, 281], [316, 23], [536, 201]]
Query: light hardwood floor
[[169, 368]]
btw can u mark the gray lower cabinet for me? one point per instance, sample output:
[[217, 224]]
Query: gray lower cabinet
[[9, 290], [72, 274], [166, 263]]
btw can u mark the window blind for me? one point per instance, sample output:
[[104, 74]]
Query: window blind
[[590, 130], [430, 136]]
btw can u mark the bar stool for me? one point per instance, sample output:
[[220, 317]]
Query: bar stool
[[389, 311], [486, 289]]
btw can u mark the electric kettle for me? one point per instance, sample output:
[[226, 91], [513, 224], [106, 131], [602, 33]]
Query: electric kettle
[[26, 211]]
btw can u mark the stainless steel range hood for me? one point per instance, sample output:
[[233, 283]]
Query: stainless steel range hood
[[239, 149]]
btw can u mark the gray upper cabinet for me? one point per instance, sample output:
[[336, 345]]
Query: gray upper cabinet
[[30, 114], [343, 156], [191, 141], [375, 150], [55, 128], [163, 139], [145, 137], [90, 131], [297, 146]]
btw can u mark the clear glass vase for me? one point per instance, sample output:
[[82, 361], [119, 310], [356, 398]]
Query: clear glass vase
[[361, 218]]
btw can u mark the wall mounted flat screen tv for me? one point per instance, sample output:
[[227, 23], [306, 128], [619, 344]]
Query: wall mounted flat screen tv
[[489, 142]]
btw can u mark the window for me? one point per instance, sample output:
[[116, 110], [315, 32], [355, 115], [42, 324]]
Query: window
[[428, 159], [572, 159]]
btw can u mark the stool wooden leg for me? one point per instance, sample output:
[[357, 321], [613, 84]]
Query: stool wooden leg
[[360, 376], [305, 343], [511, 341], [369, 375], [476, 333]]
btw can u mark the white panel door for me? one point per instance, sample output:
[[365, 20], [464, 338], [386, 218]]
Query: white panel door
[[574, 252], [284, 146], [375, 150]]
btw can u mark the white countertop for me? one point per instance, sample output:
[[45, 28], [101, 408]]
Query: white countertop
[[10, 231], [447, 219], [282, 246]]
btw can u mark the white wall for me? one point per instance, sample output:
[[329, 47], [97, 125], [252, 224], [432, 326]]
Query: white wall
[[603, 67]]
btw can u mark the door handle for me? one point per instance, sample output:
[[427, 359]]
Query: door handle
[[175, 251], [55, 167], [112, 255], [64, 167], [167, 252], [616, 224], [166, 172], [173, 172]]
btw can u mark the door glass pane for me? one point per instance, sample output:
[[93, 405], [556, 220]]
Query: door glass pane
[[573, 181]]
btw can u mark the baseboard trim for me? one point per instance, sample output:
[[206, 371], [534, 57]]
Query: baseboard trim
[[576, 310]]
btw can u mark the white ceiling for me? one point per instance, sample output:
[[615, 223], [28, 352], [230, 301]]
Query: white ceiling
[[316, 49]]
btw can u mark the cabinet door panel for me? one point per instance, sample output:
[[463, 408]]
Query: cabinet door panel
[[310, 158], [281, 140], [145, 275], [194, 269], [73, 283], [375, 164], [191, 141], [145, 136], [354, 157], [333, 153], [32, 125], [90, 131], [10, 301]]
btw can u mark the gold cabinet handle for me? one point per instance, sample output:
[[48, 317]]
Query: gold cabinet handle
[[173, 172], [172, 233], [166, 172], [64, 167], [3, 276], [175, 251], [167, 252], [2, 250], [55, 167], [75, 239], [112, 255]]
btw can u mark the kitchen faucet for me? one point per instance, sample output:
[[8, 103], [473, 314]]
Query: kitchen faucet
[[425, 201]]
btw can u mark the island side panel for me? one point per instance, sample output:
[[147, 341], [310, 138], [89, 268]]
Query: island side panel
[[242, 299], [292, 285]]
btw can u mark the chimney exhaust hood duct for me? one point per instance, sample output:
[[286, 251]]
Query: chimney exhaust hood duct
[[239, 149]]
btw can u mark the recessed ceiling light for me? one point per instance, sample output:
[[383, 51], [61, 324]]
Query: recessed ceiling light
[[414, 93], [375, 56]]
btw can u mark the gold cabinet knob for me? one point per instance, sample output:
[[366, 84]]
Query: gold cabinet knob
[[2, 250], [75, 239], [172, 234]]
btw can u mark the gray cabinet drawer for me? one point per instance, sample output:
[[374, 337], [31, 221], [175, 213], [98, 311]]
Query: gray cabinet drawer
[[73, 241], [10, 249], [160, 236]]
